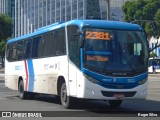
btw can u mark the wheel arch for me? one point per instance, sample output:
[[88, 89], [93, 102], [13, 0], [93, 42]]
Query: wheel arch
[[19, 79], [60, 81]]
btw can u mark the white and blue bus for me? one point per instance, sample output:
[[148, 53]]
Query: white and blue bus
[[154, 65], [80, 59]]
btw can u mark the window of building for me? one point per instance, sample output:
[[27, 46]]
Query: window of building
[[57, 4]]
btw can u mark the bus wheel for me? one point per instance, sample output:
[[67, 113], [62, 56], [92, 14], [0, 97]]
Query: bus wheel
[[22, 93], [115, 103], [66, 101]]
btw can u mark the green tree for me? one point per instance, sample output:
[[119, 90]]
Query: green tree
[[5, 32], [147, 14], [5, 27], [153, 55]]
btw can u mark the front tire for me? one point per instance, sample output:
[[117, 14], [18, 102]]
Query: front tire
[[115, 103], [66, 101]]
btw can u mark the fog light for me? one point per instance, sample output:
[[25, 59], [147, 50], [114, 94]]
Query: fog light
[[91, 79], [142, 81], [90, 91]]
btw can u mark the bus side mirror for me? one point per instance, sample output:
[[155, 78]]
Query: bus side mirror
[[80, 35], [77, 33]]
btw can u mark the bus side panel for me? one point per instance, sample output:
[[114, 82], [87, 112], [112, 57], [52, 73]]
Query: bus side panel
[[13, 70], [39, 75], [46, 72], [72, 80], [80, 84]]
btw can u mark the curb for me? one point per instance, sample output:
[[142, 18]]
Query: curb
[[154, 75]]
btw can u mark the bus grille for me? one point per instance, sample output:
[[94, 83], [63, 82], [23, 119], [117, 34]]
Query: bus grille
[[111, 94], [118, 86]]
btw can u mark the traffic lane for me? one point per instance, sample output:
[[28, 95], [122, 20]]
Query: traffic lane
[[10, 101], [91, 108]]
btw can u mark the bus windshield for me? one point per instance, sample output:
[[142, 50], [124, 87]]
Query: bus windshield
[[115, 51]]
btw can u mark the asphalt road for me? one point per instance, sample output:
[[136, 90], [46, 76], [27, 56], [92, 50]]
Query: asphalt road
[[9, 101]]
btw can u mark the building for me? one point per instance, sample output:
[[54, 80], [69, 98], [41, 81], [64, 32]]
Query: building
[[29, 15], [116, 13], [8, 7], [3, 6], [152, 44]]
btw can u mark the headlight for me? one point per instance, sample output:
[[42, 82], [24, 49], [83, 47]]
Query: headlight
[[142, 81], [91, 79]]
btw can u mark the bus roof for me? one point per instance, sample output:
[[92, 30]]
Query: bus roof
[[106, 24], [87, 23]]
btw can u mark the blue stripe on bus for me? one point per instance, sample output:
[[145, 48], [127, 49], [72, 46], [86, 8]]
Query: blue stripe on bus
[[31, 76], [98, 53], [119, 80]]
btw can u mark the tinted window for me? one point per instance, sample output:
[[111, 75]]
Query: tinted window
[[60, 44], [11, 52], [20, 48], [73, 45], [14, 52], [48, 44], [8, 52], [36, 51], [28, 48]]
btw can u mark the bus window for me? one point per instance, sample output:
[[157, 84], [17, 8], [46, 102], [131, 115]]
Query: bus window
[[36, 52], [60, 44], [28, 48], [20, 50], [48, 44], [14, 50], [73, 45], [9, 52]]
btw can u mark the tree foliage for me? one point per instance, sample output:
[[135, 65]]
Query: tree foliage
[[5, 32], [5, 27], [153, 55], [144, 12]]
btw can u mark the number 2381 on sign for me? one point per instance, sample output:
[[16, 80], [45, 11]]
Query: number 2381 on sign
[[98, 35]]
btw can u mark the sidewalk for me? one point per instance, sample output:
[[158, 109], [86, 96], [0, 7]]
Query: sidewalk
[[2, 74], [151, 74], [2, 70]]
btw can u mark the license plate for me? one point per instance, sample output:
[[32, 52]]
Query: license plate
[[119, 95]]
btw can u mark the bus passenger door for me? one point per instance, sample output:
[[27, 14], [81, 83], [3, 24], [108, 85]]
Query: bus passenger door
[[73, 54]]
